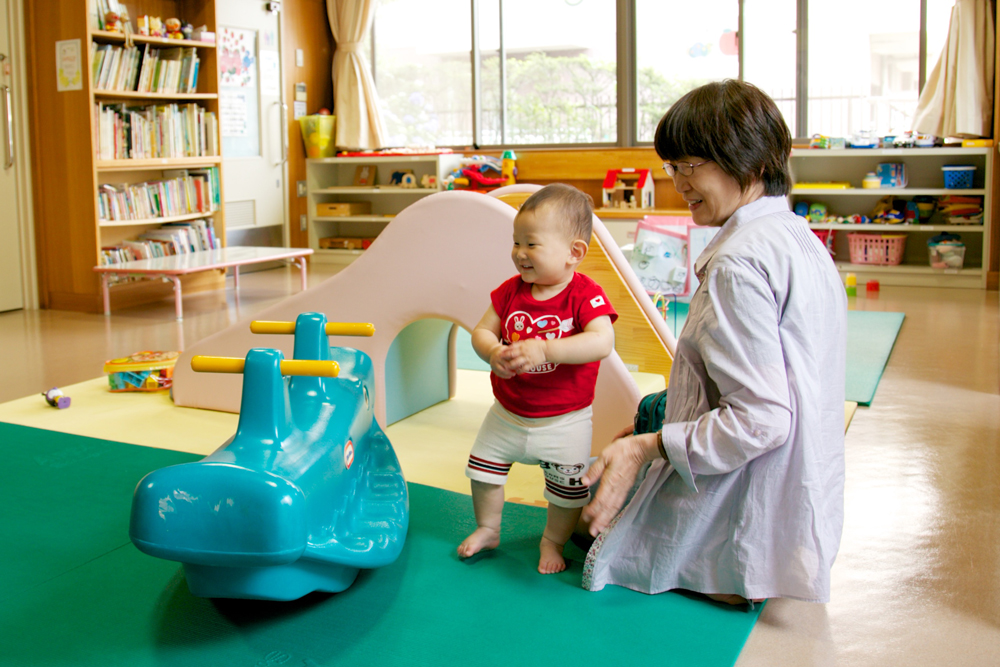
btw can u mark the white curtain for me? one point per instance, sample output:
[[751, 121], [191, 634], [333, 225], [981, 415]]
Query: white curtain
[[355, 100], [957, 100]]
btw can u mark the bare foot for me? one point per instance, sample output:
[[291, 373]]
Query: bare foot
[[481, 539], [552, 558]]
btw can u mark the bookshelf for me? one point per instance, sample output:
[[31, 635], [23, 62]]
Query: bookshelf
[[85, 139]]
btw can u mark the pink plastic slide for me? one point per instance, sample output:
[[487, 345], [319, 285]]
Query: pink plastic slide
[[438, 259]]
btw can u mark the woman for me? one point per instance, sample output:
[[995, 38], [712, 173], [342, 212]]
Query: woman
[[743, 499]]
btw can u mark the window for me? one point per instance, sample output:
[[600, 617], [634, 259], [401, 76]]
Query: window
[[423, 71], [679, 46], [546, 71]]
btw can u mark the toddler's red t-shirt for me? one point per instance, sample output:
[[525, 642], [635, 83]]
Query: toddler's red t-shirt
[[549, 389]]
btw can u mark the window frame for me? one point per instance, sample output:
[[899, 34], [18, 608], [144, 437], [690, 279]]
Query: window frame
[[626, 71]]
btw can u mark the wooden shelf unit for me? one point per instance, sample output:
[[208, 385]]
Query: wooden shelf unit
[[328, 180], [65, 166], [924, 175]]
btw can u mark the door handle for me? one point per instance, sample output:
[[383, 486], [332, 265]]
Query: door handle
[[8, 116], [282, 119]]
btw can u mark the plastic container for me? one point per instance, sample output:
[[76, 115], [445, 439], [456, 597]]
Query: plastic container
[[948, 255], [142, 371], [958, 176], [317, 135], [883, 249], [827, 237]]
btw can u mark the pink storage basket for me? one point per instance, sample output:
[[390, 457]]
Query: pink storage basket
[[885, 249]]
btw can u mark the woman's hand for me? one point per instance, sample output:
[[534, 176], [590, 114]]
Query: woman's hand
[[617, 467]]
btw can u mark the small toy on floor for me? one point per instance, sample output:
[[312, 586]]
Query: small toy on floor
[[56, 398]]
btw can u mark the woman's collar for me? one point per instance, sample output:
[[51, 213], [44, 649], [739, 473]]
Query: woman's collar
[[755, 209]]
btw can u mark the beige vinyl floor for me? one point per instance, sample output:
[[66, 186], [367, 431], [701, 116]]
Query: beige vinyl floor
[[917, 580]]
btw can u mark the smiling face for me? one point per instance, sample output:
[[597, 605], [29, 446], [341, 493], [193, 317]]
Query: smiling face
[[711, 194], [543, 249]]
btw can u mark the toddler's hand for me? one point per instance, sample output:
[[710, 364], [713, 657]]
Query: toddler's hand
[[499, 363], [524, 355]]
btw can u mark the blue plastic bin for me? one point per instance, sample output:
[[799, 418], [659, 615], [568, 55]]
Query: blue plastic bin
[[958, 176]]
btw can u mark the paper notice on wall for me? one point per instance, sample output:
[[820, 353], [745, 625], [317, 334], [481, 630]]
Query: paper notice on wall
[[270, 73], [69, 72], [299, 110], [233, 114]]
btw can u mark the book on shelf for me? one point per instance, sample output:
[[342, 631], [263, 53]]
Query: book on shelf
[[170, 239], [145, 69], [128, 131], [99, 10], [176, 194]]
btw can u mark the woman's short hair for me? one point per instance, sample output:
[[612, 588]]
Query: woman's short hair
[[735, 125], [575, 207]]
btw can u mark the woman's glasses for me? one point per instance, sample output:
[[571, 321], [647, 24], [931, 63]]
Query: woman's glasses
[[682, 168]]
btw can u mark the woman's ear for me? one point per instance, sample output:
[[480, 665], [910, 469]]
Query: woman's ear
[[578, 250]]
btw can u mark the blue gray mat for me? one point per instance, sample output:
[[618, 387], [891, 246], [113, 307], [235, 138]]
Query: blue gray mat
[[870, 338]]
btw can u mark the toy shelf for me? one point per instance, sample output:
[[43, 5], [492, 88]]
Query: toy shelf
[[331, 180], [881, 192], [925, 177], [896, 228]]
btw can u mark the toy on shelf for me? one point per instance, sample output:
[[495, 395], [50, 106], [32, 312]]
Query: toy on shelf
[[819, 141], [628, 188], [142, 371], [306, 493], [56, 398], [472, 173], [827, 185], [187, 30], [173, 29], [817, 212], [112, 22], [889, 211], [891, 174], [961, 210], [428, 181], [404, 178], [851, 284], [864, 139], [508, 167], [151, 26], [946, 251], [871, 181]]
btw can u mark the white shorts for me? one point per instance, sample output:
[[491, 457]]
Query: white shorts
[[560, 445]]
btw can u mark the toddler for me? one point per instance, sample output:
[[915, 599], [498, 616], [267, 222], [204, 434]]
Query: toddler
[[544, 336]]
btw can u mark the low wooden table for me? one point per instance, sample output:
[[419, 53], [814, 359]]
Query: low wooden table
[[175, 266]]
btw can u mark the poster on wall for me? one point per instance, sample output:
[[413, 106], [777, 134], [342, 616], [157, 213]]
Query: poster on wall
[[68, 68], [239, 98]]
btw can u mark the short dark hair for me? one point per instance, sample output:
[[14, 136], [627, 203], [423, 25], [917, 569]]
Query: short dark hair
[[737, 126], [575, 206]]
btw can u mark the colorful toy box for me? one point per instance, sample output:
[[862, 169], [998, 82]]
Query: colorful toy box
[[142, 371]]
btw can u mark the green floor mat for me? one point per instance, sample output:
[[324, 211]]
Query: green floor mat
[[870, 337], [101, 602]]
